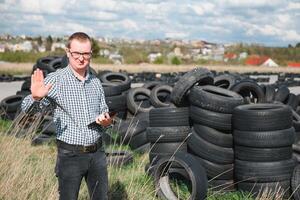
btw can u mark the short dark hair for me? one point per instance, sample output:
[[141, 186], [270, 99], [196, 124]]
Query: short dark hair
[[81, 36]]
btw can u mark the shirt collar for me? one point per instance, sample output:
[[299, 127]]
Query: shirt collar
[[70, 71]]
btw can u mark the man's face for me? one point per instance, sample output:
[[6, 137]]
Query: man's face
[[79, 54]]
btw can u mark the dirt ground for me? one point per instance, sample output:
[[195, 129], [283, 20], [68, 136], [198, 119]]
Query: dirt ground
[[27, 67]]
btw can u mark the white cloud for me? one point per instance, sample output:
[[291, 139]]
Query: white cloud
[[215, 20], [176, 35]]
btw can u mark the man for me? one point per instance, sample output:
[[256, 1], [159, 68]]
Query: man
[[80, 119]]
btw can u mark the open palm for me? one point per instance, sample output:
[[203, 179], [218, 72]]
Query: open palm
[[38, 87]]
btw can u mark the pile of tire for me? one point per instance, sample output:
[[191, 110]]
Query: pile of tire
[[139, 101], [167, 132], [187, 169], [211, 140], [263, 137], [116, 86]]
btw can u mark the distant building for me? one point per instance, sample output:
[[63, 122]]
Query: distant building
[[116, 58], [177, 52], [243, 55], [197, 44], [42, 49], [2, 48], [57, 45], [25, 46], [104, 52], [293, 64], [260, 61], [153, 56], [269, 63], [256, 60], [229, 56]]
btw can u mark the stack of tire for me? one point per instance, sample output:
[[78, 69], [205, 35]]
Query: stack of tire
[[249, 90], [211, 140], [116, 86], [132, 128], [167, 132], [10, 107], [140, 100], [263, 137]]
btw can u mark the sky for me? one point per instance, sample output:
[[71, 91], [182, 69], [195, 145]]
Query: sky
[[266, 22]]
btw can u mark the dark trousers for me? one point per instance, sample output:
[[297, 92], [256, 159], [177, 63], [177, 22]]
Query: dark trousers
[[71, 167]]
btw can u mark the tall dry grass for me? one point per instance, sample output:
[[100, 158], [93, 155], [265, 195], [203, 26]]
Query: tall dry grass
[[27, 172]]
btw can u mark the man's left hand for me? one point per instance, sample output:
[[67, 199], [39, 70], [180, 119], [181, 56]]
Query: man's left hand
[[104, 119]]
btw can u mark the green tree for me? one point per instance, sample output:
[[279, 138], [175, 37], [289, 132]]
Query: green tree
[[298, 45], [95, 48], [49, 42], [39, 41], [159, 60], [175, 61]]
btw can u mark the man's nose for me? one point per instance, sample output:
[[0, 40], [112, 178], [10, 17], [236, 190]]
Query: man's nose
[[81, 57]]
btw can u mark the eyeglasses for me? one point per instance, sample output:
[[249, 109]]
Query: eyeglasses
[[85, 55]]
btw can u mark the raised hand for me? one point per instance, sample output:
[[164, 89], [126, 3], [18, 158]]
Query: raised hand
[[38, 87]]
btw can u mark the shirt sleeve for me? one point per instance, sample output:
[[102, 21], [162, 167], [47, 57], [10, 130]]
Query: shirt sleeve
[[103, 105], [29, 105]]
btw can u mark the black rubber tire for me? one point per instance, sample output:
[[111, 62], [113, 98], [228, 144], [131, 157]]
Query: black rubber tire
[[200, 76], [262, 117], [152, 84], [118, 78], [23, 93], [262, 154], [64, 61], [128, 128], [154, 96], [272, 188], [55, 63], [215, 99], [221, 186], [168, 117], [119, 158], [143, 149], [209, 151], [269, 93], [42, 139], [138, 140], [246, 87], [219, 121], [225, 81], [167, 134], [217, 171], [43, 63], [26, 85], [111, 89], [117, 103], [292, 101], [169, 148], [195, 171], [263, 171], [132, 105], [11, 103], [282, 93], [295, 183], [264, 139], [48, 126], [213, 136]]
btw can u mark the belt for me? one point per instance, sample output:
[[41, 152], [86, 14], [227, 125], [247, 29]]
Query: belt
[[80, 148]]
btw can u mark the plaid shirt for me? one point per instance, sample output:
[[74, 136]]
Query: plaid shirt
[[82, 102]]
